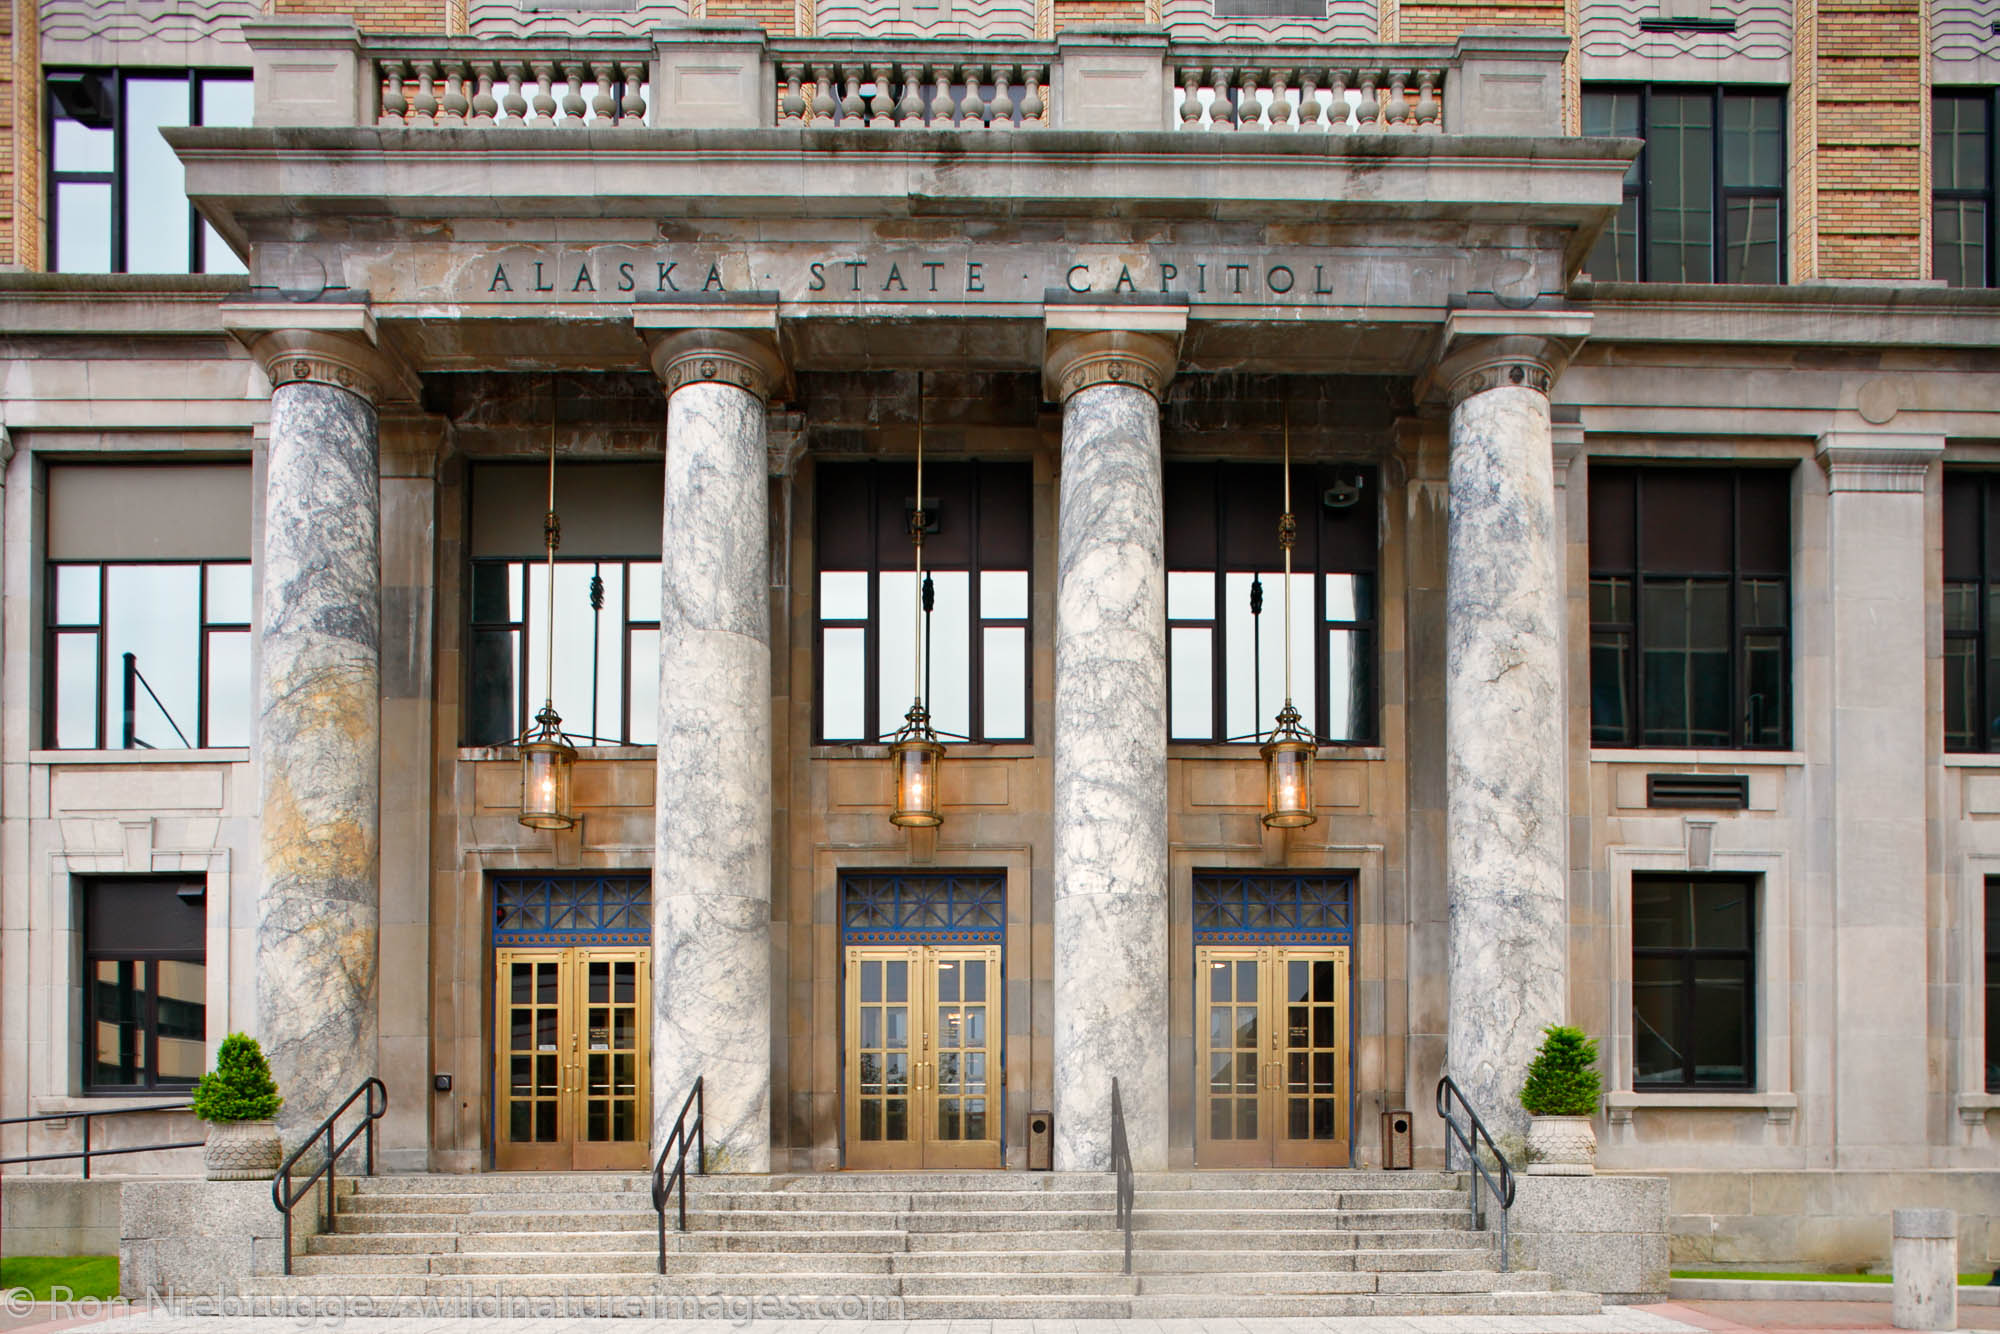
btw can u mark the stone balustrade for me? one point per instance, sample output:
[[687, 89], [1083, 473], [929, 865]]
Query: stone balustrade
[[320, 71], [857, 85]]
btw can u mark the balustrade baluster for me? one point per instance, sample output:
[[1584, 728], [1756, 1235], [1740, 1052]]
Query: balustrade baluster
[[423, 107], [1032, 105], [1190, 97], [456, 103], [853, 115], [632, 108], [791, 103], [972, 111], [823, 104], [1282, 111], [910, 115], [1003, 97], [514, 103], [395, 106], [1221, 112], [603, 105], [573, 104], [544, 100], [1312, 116], [1370, 110], [1427, 102], [1339, 111], [1397, 110], [1249, 108], [882, 106], [944, 110], [484, 104]]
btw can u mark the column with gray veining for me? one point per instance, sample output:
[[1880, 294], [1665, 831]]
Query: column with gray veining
[[1505, 804], [712, 846], [1110, 798], [319, 727]]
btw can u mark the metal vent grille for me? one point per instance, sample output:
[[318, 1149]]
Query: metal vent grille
[[1701, 792]]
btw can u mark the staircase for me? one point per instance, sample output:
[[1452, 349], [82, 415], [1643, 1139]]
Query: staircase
[[975, 1245]]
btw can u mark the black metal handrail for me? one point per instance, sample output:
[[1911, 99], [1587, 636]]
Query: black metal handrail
[[1470, 1137], [677, 1143], [284, 1195], [87, 1152], [1121, 1167]]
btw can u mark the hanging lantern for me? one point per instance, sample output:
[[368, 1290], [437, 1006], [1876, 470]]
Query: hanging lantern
[[916, 755], [548, 760], [1288, 755]]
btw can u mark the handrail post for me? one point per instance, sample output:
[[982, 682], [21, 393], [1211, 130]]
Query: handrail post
[[86, 1135], [700, 1141]]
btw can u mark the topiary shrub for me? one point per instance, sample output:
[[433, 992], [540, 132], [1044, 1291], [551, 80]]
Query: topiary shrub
[[1562, 1079], [240, 1087]]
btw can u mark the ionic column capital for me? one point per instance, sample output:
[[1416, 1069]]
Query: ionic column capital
[[735, 344], [1484, 350], [329, 345], [1134, 346]]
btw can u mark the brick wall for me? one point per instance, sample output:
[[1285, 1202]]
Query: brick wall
[[20, 135], [777, 17], [379, 15], [1444, 20], [1867, 169], [1069, 13]]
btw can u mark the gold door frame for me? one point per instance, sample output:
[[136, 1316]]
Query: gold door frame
[[586, 1109], [921, 1056], [1273, 1069]]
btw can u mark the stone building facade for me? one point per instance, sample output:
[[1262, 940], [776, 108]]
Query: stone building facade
[[1636, 372]]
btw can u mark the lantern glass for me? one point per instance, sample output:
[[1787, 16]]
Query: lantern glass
[[546, 767], [916, 766], [1288, 784]]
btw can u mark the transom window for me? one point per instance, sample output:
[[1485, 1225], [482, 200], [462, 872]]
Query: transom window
[[932, 908], [1704, 201], [1965, 160], [1225, 601], [145, 1004], [1266, 908], [1693, 981], [117, 198], [1690, 607], [976, 633], [564, 910]]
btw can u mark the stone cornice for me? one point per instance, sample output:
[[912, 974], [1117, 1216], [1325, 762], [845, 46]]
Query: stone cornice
[[1877, 460]]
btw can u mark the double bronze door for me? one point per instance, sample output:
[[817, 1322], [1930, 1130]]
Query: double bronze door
[[572, 1029], [923, 1057], [1272, 1085]]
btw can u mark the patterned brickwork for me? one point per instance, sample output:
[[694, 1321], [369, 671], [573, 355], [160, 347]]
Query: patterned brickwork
[[379, 15], [20, 136], [1867, 147], [1423, 21], [777, 17], [1070, 13]]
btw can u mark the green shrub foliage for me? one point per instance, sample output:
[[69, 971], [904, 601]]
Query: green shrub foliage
[[1562, 1079], [240, 1087]]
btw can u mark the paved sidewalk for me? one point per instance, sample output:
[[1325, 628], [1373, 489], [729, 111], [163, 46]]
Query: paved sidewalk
[[1802, 1317]]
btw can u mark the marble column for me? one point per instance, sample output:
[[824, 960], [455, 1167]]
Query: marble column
[[319, 735], [1110, 798], [712, 847], [1505, 736]]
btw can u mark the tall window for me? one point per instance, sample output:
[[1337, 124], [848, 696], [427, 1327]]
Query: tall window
[[148, 607], [1225, 601], [1993, 984], [1971, 587], [1690, 607], [1965, 159], [606, 617], [145, 1018], [976, 556], [1704, 202], [1693, 981], [117, 198]]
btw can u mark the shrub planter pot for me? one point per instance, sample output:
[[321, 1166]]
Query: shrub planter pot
[[1561, 1146], [242, 1151]]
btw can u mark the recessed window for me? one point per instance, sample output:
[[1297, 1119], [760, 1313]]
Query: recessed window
[[1971, 585], [1226, 601], [1965, 159], [1704, 201], [145, 1007], [1690, 607], [1693, 981], [1993, 984], [974, 636], [605, 619], [117, 194], [148, 607]]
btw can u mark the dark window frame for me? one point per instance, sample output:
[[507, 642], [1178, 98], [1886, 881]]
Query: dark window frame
[[118, 77], [91, 957], [977, 621], [1740, 630], [1988, 102], [526, 649], [54, 630], [1691, 955], [1983, 585], [1307, 482], [1992, 1025], [1637, 186]]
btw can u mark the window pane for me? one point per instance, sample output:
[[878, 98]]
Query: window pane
[[81, 148], [1753, 241], [1680, 188], [843, 595], [1005, 664], [1192, 708], [1613, 115], [1003, 595], [1721, 915], [1958, 242], [1611, 601], [76, 691], [1686, 662], [493, 691], [589, 671], [644, 728], [229, 690], [949, 632], [1254, 653], [225, 101], [1765, 674], [1662, 914], [118, 1023], [1657, 1057], [182, 1022], [1350, 662], [1610, 707], [1350, 597], [1958, 143], [1753, 141], [1961, 693], [228, 594], [1614, 258], [152, 612], [643, 595], [156, 209], [216, 256], [1190, 596], [495, 592], [83, 227], [76, 594], [1766, 602], [843, 673], [1721, 1014]]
